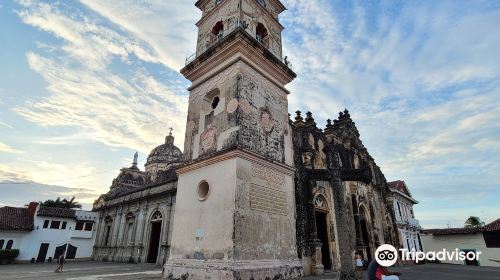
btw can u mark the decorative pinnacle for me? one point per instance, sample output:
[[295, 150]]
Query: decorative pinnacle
[[298, 118], [328, 123], [170, 134], [309, 117], [136, 155]]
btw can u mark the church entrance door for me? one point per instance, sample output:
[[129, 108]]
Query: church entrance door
[[366, 238], [322, 230], [154, 241]]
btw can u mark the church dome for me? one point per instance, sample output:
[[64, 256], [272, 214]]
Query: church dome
[[166, 153]]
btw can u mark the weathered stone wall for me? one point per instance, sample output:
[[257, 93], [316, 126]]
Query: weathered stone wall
[[252, 114], [263, 117], [264, 220], [253, 14], [227, 13], [203, 228], [204, 138]]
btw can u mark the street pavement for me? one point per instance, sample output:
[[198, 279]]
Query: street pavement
[[124, 271], [81, 271], [434, 272]]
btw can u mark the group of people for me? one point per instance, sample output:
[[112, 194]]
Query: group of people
[[374, 270]]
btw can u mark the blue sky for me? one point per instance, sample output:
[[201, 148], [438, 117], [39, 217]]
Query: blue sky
[[84, 84]]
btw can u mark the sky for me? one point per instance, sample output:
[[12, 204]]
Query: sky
[[84, 84]]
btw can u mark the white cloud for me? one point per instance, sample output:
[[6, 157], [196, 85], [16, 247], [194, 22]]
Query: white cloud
[[169, 29], [4, 148], [118, 108], [5, 124]]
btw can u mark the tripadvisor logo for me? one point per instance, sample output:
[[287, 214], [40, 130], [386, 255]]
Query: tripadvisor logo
[[387, 255]]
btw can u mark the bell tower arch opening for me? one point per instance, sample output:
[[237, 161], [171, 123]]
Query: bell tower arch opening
[[261, 35]]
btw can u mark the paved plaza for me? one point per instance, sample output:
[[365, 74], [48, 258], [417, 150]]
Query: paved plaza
[[122, 271]]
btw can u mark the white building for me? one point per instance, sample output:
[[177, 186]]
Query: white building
[[480, 239], [43, 233], [408, 227]]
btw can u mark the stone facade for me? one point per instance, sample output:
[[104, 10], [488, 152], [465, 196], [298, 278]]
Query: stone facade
[[364, 188], [135, 215]]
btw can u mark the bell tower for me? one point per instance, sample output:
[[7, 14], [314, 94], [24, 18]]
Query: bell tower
[[235, 206]]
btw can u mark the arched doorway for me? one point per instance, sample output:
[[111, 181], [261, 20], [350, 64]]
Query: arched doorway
[[321, 215], [365, 232], [154, 236]]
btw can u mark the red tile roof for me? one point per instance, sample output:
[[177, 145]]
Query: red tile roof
[[493, 226], [56, 212], [15, 218], [451, 231], [400, 186]]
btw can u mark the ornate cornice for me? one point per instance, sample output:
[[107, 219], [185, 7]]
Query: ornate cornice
[[238, 46], [238, 153]]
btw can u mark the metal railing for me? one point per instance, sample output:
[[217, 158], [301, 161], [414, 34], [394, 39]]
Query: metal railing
[[219, 37]]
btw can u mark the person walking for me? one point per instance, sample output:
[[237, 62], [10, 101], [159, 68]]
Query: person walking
[[60, 262]]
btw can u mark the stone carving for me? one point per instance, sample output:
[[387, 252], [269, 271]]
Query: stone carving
[[266, 121], [266, 191], [268, 200], [319, 203], [207, 139], [245, 106], [232, 106], [271, 178]]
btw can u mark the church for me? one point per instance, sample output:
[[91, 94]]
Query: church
[[256, 193]]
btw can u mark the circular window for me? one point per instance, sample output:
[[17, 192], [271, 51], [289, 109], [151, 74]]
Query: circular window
[[203, 190]]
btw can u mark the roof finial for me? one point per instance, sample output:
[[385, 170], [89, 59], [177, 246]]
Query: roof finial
[[169, 139]]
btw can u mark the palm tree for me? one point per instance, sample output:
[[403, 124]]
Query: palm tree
[[72, 203], [58, 203], [473, 222]]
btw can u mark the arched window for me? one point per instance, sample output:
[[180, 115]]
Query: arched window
[[156, 216], [217, 32], [210, 104], [262, 2], [9, 244], [261, 35], [1, 243]]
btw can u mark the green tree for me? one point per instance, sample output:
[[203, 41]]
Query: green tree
[[64, 203], [473, 222]]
